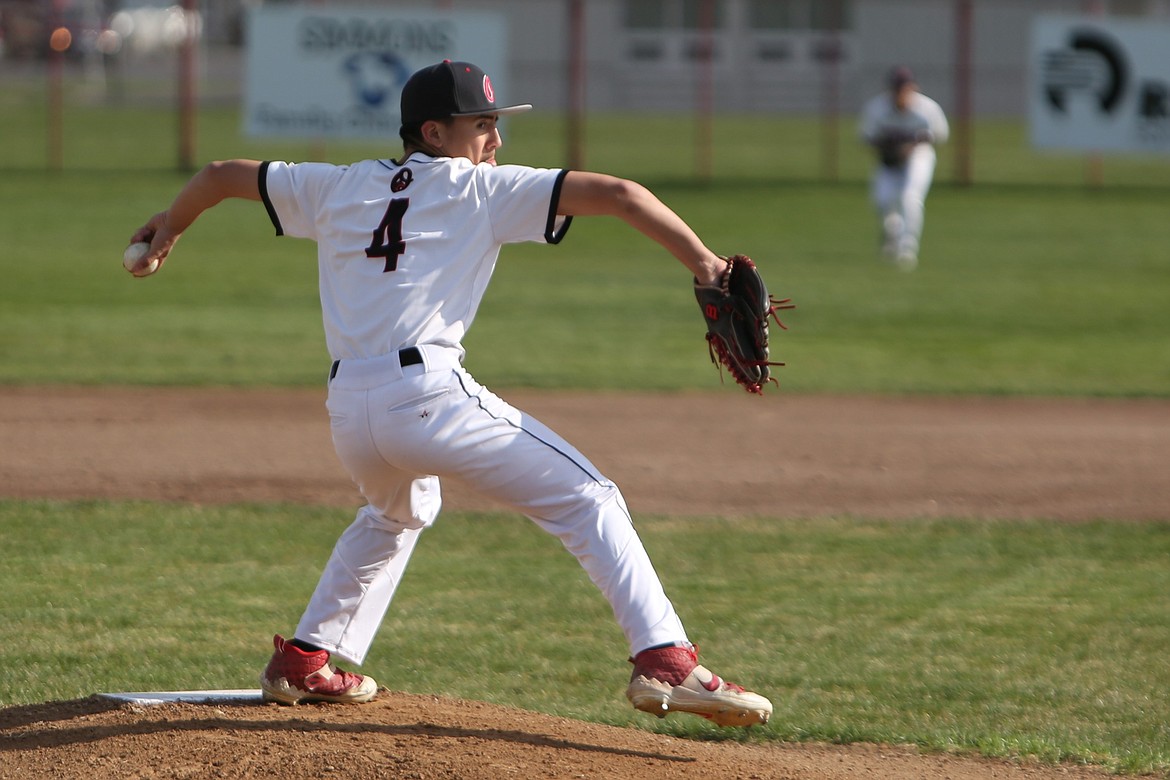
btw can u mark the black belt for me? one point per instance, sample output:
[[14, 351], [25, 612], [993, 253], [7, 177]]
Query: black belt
[[411, 356]]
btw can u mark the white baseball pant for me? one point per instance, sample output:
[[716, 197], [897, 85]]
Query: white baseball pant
[[396, 428], [902, 192]]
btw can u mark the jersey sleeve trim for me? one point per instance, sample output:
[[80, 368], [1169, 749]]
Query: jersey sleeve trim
[[263, 183], [552, 232]]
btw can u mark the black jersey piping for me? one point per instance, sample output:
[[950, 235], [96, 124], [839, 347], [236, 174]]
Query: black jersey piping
[[551, 234], [262, 182]]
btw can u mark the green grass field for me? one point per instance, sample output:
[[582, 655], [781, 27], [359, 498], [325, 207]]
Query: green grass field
[[1032, 639], [1010, 639], [1055, 292]]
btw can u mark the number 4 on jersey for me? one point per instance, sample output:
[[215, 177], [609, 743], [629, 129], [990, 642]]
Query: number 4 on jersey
[[388, 241]]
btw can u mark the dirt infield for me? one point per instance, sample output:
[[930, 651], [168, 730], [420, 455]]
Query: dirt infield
[[808, 456]]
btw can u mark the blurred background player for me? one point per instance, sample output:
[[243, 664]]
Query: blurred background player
[[902, 126]]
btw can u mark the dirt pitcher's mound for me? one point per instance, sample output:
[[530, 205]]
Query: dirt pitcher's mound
[[407, 736], [687, 454]]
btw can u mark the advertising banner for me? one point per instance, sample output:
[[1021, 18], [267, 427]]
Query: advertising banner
[[1100, 84], [318, 71]]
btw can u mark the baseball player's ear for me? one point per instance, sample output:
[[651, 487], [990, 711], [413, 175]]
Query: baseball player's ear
[[432, 133]]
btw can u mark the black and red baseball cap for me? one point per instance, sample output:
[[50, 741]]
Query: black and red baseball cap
[[899, 76], [448, 89]]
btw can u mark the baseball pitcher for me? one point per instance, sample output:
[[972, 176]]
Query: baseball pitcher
[[405, 251]]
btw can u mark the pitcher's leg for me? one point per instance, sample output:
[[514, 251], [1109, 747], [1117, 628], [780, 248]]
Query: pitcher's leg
[[370, 556], [342, 616], [524, 464], [594, 525], [357, 585], [588, 514]]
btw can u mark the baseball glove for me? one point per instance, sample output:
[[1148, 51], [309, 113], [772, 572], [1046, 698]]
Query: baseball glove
[[893, 149], [894, 146], [736, 312]]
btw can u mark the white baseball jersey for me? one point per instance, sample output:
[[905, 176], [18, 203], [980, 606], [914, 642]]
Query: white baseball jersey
[[401, 261], [881, 115]]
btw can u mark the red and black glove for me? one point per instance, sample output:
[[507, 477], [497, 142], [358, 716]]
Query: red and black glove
[[736, 311]]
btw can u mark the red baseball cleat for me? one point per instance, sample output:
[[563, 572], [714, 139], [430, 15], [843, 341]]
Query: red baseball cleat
[[293, 676], [670, 678]]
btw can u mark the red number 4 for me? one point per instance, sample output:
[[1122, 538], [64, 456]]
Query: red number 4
[[388, 241]]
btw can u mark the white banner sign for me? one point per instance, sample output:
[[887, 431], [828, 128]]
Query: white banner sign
[[1100, 84], [317, 71]]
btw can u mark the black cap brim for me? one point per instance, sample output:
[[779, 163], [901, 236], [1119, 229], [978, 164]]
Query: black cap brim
[[499, 110]]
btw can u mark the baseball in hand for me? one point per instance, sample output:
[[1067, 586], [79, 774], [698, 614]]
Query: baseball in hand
[[133, 254]]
